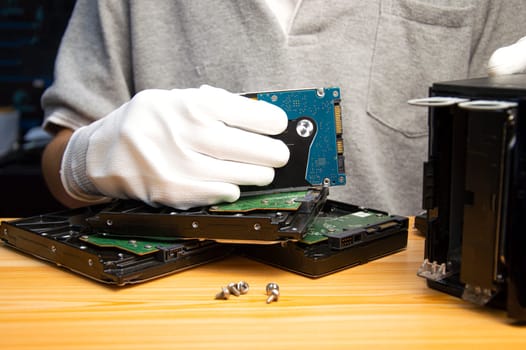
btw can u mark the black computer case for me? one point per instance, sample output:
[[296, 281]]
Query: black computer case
[[474, 192]]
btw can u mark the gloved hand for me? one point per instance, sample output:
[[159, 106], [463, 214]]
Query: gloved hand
[[181, 148], [509, 59]]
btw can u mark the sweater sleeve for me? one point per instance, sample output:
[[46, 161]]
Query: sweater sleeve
[[92, 71]]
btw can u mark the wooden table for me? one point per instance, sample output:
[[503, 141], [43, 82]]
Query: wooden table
[[379, 305]]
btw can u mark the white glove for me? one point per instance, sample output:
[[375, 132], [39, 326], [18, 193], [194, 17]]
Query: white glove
[[509, 59], [181, 148]]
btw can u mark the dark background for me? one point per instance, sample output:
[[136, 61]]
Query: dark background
[[30, 33]]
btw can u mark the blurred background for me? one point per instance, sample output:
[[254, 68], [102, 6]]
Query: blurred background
[[30, 33]]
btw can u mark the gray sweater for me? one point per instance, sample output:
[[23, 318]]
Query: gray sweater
[[379, 52]]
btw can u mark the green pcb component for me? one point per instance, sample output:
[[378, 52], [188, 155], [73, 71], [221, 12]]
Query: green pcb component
[[275, 201], [328, 225], [132, 245]]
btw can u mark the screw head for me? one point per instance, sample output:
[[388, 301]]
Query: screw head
[[271, 286], [223, 294], [243, 287]]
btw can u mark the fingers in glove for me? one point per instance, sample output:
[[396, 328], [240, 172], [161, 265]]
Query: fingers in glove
[[194, 194], [206, 168], [238, 111], [226, 143], [508, 60], [180, 172]]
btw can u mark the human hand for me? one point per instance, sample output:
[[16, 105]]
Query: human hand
[[181, 148], [509, 59]]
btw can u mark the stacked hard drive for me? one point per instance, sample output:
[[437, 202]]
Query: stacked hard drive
[[290, 223]]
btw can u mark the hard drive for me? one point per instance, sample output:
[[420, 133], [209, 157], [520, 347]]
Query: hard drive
[[289, 223], [263, 218], [64, 238], [314, 137], [342, 235]]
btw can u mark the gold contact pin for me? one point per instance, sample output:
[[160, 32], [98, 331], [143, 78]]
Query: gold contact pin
[[338, 119], [339, 146]]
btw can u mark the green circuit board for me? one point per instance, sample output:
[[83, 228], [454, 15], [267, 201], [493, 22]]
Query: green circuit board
[[132, 245], [322, 158], [324, 225], [274, 201]]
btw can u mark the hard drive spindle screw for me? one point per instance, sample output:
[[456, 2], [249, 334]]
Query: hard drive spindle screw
[[272, 292]]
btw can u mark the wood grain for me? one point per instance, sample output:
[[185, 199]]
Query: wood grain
[[379, 305]]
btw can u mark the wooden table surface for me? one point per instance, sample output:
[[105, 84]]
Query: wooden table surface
[[379, 305]]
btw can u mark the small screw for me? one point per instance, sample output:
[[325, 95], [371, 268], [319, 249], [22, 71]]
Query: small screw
[[243, 287], [272, 292], [233, 289], [223, 294]]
